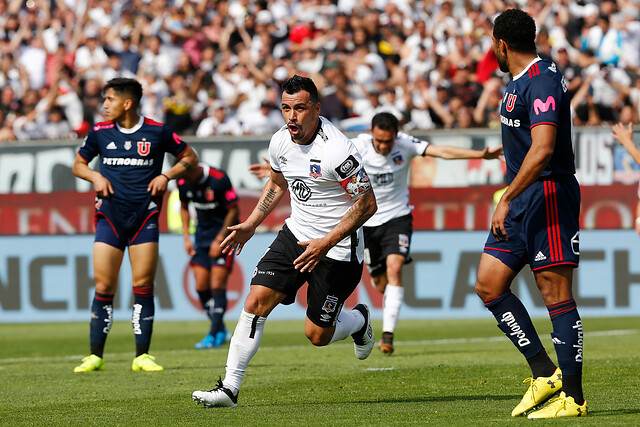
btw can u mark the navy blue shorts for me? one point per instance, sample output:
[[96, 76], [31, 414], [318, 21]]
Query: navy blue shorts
[[543, 226], [330, 283], [203, 259], [107, 232]]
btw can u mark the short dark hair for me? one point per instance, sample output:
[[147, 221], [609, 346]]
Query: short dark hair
[[130, 87], [297, 83], [517, 28], [385, 121]]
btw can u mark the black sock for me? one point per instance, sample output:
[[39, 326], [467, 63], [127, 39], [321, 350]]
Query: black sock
[[541, 365], [100, 324], [572, 386]]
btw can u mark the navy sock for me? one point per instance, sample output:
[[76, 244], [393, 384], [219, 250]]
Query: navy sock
[[205, 301], [219, 297], [567, 337], [100, 324], [513, 319], [142, 317]]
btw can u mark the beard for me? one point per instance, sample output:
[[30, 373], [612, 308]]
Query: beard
[[503, 64]]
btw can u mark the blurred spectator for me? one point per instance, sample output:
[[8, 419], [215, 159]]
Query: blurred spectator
[[218, 122], [265, 121], [431, 62]]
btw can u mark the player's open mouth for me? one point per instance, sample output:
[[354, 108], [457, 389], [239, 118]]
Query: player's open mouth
[[293, 128]]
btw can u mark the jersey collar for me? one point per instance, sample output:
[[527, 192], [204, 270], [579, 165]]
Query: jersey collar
[[133, 129], [536, 59]]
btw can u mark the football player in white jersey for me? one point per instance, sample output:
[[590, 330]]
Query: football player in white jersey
[[386, 154], [321, 242]]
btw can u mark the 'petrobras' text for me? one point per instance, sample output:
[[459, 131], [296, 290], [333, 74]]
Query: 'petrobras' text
[[510, 122], [126, 161]]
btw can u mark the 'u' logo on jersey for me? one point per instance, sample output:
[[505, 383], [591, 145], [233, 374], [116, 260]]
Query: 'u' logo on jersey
[[144, 148], [511, 102]]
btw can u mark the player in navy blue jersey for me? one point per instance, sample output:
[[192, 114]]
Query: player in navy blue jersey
[[536, 220], [129, 187], [216, 204]]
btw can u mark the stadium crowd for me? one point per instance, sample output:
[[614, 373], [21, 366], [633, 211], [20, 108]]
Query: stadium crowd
[[214, 67]]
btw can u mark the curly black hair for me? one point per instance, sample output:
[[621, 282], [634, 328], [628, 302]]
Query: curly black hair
[[517, 29]]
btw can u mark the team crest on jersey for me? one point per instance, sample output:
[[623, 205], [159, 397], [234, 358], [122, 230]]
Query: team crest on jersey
[[397, 159], [127, 145], [98, 203], [144, 148], [208, 194], [315, 171], [330, 304], [357, 184], [511, 101], [403, 242]]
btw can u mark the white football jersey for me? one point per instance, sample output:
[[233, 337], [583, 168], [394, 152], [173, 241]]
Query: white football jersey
[[323, 179], [390, 174]]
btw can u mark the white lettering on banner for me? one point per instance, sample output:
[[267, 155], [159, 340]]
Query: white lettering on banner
[[16, 173], [46, 161], [241, 177], [594, 158]]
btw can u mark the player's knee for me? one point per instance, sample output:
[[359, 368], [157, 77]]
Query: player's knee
[[482, 289], [317, 337], [380, 282]]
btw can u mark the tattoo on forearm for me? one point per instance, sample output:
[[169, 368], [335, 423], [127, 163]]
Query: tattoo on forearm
[[266, 202], [187, 166]]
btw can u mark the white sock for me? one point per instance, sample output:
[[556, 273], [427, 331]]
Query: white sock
[[391, 303], [349, 322], [244, 345]]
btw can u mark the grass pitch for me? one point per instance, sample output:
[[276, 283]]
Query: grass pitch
[[444, 372]]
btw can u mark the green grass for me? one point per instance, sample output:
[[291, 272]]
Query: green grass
[[444, 372]]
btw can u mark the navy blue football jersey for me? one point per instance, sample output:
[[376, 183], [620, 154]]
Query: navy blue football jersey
[[212, 197], [537, 96], [130, 159]]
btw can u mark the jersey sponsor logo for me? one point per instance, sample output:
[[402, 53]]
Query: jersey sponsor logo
[[511, 101], [397, 159], [127, 145], [543, 107], [208, 194], [315, 171], [301, 190], [144, 148], [111, 146], [283, 160], [357, 184], [383, 179], [205, 206], [126, 161], [347, 167], [330, 304], [510, 122]]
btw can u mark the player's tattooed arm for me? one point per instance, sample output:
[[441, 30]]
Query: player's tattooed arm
[[272, 193], [363, 208], [187, 166], [266, 201]]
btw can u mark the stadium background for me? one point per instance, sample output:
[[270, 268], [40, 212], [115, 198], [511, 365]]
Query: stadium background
[[46, 226]]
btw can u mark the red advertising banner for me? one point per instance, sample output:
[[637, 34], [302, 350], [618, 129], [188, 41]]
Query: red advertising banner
[[470, 208]]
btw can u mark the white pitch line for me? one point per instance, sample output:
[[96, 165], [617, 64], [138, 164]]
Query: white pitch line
[[302, 347]]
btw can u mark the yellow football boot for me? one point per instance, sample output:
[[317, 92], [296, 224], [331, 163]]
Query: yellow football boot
[[540, 389], [146, 362], [90, 363], [563, 406]]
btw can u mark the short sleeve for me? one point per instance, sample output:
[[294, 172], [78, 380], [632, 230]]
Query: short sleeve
[[172, 142], [89, 148], [274, 158], [544, 100]]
